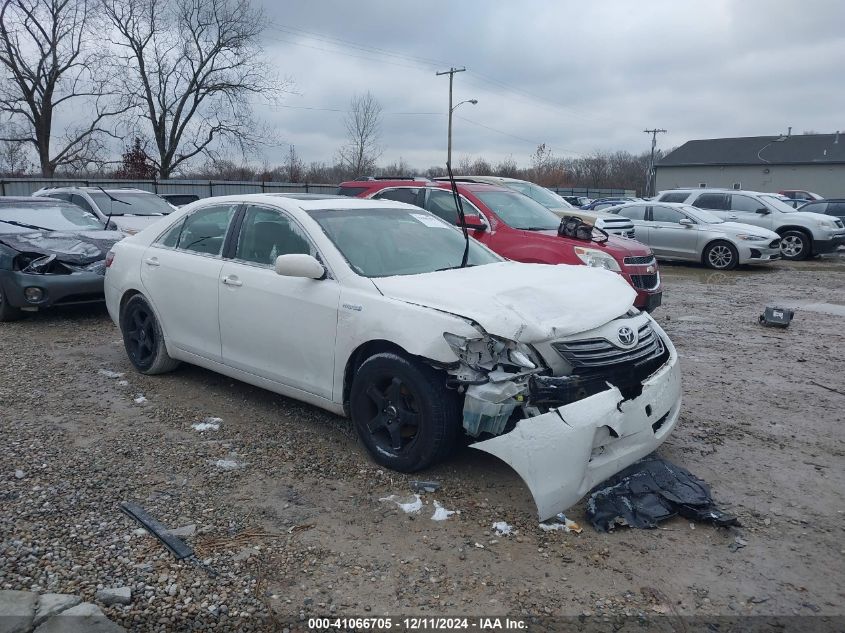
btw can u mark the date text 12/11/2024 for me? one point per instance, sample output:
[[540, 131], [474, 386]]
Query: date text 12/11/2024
[[387, 623]]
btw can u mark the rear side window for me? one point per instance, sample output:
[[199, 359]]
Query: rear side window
[[201, 232], [405, 194], [717, 201], [351, 191], [442, 204], [675, 196], [634, 212]]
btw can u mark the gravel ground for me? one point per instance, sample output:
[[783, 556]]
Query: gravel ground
[[286, 508]]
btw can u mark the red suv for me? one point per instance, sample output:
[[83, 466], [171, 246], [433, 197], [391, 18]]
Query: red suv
[[517, 227]]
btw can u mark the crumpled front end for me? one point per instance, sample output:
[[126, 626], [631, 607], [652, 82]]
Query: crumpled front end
[[567, 414]]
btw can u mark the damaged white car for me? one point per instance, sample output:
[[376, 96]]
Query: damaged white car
[[363, 307]]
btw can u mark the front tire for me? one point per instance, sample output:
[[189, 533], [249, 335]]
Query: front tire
[[8, 312], [143, 339], [403, 412], [721, 255], [795, 245]]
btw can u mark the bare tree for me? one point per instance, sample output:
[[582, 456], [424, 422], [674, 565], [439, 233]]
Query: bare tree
[[14, 160], [363, 132], [293, 168], [195, 65], [50, 69]]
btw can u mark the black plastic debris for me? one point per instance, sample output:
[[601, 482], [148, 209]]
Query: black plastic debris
[[177, 546], [650, 491], [424, 486], [776, 317]]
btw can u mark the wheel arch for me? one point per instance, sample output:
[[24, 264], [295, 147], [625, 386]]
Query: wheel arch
[[801, 229], [133, 292], [710, 243]]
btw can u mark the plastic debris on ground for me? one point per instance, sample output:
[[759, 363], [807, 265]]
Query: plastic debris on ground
[[123, 383], [653, 490], [108, 373], [502, 528], [425, 486], [207, 424], [560, 522], [441, 513], [408, 506], [228, 464], [140, 399]]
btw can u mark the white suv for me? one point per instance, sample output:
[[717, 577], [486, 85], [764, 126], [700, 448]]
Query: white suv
[[802, 234], [127, 210]]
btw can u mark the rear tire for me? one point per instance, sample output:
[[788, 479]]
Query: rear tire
[[795, 245], [721, 255], [403, 412], [143, 339], [8, 312]]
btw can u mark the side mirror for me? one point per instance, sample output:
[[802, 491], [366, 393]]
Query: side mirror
[[685, 222], [762, 211], [472, 222], [299, 265]]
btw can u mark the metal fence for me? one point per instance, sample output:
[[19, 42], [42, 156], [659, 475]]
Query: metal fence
[[593, 193], [201, 188]]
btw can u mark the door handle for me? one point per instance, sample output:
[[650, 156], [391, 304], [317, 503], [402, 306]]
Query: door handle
[[152, 261], [231, 280]]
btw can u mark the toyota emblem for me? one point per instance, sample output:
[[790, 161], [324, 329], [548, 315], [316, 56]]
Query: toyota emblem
[[626, 336]]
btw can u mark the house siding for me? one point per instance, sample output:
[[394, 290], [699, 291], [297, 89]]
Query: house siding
[[825, 180]]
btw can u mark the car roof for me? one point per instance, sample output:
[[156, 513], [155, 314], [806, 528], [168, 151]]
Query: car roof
[[307, 204], [30, 199], [719, 190], [97, 189]]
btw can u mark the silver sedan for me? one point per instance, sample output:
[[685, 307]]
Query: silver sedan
[[677, 231]]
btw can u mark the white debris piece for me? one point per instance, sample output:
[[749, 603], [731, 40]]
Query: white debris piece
[[108, 373], [228, 464], [441, 513], [560, 522], [207, 424], [123, 383], [502, 528], [412, 506], [140, 399]]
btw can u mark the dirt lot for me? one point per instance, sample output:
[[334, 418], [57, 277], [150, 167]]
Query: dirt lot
[[298, 528]]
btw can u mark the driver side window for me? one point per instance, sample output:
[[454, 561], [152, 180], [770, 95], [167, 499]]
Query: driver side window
[[665, 214], [267, 233], [201, 232]]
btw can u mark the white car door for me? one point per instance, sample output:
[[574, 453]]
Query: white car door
[[280, 328], [745, 209], [181, 274]]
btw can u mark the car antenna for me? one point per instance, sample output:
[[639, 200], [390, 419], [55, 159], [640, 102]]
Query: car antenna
[[113, 199], [460, 215]]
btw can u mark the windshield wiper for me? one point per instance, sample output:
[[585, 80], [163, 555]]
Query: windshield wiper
[[27, 226], [454, 267], [113, 199], [537, 228]]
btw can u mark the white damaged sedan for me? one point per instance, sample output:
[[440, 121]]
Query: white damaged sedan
[[362, 307]]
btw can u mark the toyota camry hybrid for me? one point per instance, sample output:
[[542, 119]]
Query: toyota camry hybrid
[[383, 312]]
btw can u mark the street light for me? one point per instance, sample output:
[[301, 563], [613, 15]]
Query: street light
[[451, 110]]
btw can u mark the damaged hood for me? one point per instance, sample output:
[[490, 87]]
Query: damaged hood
[[71, 247], [521, 302]]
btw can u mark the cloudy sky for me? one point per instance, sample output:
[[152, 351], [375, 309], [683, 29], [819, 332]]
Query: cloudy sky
[[578, 76]]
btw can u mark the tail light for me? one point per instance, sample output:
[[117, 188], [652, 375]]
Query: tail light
[[109, 258]]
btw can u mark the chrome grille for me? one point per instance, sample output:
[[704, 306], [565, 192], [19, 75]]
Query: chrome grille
[[599, 353], [640, 260]]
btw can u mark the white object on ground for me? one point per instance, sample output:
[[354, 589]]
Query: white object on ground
[[228, 464], [207, 424], [140, 399], [502, 528], [441, 513], [412, 506], [108, 373]]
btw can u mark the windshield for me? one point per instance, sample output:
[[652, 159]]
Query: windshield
[[385, 242], [702, 215], [542, 195], [777, 204], [137, 203], [518, 211], [59, 216]]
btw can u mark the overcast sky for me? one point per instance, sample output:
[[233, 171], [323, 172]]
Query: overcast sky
[[578, 76]]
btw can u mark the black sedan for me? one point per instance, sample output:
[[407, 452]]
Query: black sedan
[[51, 253]]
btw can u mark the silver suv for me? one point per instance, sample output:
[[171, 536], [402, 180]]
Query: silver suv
[[802, 234], [127, 210]]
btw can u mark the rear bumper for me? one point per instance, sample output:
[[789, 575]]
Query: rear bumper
[[78, 287], [829, 246]]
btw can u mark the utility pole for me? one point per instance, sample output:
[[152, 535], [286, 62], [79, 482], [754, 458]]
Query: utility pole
[[451, 72], [651, 183]]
